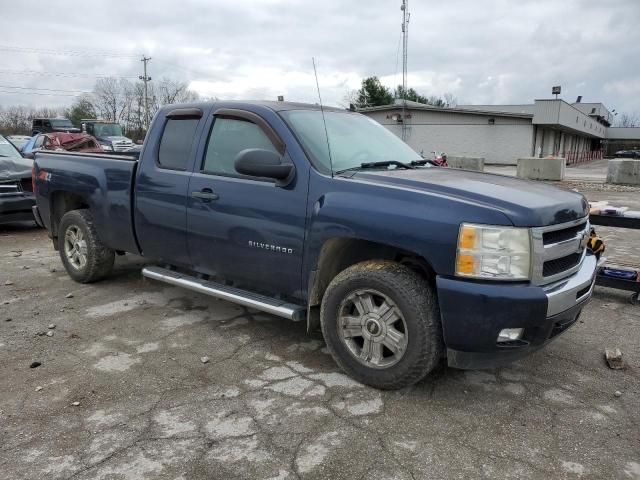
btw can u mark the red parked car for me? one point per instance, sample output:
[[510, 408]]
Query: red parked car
[[61, 141]]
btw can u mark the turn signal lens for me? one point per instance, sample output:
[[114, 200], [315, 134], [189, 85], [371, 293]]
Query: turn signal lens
[[467, 237], [465, 264]]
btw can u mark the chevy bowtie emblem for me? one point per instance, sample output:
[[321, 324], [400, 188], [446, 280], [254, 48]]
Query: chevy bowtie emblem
[[584, 241]]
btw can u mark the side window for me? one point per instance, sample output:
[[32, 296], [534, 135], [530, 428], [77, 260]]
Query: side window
[[37, 123], [228, 137], [47, 123], [175, 144], [38, 142]]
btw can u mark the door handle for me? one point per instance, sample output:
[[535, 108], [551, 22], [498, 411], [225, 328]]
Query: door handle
[[206, 195]]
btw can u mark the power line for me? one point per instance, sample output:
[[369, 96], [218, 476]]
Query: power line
[[42, 94], [66, 53], [45, 89], [62, 74]]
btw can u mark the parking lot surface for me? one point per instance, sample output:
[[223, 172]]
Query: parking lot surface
[[141, 381]]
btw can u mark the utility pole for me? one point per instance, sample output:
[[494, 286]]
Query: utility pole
[[145, 79], [405, 39]]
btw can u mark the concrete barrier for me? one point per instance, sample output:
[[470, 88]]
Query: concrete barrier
[[466, 163], [535, 168], [624, 170]]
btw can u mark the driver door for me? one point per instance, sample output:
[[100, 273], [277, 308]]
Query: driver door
[[243, 228]]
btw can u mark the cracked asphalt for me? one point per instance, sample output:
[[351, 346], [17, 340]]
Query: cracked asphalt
[[122, 392]]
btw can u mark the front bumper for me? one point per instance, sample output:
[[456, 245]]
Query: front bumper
[[473, 314]]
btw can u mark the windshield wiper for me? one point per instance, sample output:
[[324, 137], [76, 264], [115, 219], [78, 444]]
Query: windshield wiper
[[417, 163], [385, 163]]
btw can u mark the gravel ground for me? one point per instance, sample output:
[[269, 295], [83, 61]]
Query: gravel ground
[[124, 391]]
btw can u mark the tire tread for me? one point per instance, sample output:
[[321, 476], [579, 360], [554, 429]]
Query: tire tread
[[100, 258], [416, 291]]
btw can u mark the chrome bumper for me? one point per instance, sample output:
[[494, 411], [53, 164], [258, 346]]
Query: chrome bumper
[[573, 290]]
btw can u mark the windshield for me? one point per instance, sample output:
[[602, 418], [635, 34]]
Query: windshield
[[61, 123], [354, 139], [18, 141], [7, 149], [107, 130]]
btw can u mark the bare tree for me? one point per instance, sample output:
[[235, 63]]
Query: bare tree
[[350, 98], [628, 120], [114, 100], [450, 100], [15, 120], [106, 98], [173, 91]]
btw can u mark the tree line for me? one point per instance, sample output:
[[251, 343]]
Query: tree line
[[116, 100], [122, 101], [373, 93]]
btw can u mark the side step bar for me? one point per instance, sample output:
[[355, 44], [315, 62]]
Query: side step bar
[[231, 294]]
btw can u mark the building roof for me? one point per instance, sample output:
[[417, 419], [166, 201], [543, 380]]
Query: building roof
[[623, 133], [398, 103]]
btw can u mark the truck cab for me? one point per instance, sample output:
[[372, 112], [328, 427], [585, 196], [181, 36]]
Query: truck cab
[[48, 125], [109, 134]]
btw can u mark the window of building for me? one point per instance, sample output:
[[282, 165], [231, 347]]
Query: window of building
[[176, 142], [228, 137]]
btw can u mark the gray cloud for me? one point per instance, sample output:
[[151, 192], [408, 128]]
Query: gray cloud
[[494, 51]]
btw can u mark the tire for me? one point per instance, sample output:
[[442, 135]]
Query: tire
[[411, 310], [77, 226]]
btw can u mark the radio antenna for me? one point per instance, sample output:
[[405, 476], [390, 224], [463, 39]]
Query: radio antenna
[[326, 133]]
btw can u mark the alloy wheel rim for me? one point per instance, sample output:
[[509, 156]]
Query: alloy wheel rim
[[372, 328], [75, 247]]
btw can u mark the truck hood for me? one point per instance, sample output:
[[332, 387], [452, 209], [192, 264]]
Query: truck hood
[[15, 168], [66, 130], [116, 139], [525, 203]]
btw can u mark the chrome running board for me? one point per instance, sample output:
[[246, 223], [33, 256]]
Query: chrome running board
[[265, 304]]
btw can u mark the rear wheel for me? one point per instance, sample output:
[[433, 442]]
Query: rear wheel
[[83, 254], [382, 324]]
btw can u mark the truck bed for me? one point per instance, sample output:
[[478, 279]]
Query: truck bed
[[104, 183]]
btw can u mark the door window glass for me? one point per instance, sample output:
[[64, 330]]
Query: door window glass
[[176, 142], [228, 137]]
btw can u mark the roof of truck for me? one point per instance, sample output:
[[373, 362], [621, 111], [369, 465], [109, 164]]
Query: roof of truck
[[273, 105]]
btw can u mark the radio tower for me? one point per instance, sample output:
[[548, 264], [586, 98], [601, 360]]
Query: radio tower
[[405, 39]]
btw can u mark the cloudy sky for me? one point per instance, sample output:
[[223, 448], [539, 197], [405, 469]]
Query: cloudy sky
[[489, 51]]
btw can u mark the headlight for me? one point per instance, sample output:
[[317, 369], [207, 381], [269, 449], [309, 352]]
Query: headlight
[[499, 253], [106, 148]]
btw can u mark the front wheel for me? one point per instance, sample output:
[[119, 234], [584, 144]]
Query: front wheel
[[83, 254], [381, 323]]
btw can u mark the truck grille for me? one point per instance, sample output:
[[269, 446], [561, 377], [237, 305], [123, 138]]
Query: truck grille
[[122, 146], [9, 189], [559, 265], [556, 236], [558, 250]]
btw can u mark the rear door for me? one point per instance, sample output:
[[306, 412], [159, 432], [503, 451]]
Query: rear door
[[242, 228], [161, 187]]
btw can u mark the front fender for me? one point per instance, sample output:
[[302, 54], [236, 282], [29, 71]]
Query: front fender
[[424, 224]]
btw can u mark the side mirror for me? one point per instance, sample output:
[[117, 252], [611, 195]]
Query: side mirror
[[257, 162]]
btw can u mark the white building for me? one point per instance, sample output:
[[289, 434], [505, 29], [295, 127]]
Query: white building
[[503, 133]]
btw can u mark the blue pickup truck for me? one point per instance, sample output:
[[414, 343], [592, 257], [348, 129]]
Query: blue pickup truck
[[327, 217]]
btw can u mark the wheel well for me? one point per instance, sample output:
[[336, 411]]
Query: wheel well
[[61, 203], [339, 253]]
